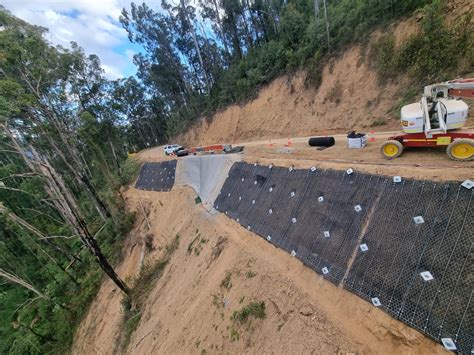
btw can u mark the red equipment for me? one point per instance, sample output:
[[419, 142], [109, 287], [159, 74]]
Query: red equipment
[[428, 123]]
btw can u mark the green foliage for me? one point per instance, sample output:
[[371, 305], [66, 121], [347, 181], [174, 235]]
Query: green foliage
[[379, 122], [250, 274], [226, 282], [150, 272], [57, 102], [407, 96], [383, 56], [197, 244], [144, 282], [314, 71], [130, 169], [234, 335], [438, 52], [141, 286], [254, 309], [257, 41], [131, 322]]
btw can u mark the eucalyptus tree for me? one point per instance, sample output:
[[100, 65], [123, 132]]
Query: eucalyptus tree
[[159, 67], [45, 93], [144, 114]]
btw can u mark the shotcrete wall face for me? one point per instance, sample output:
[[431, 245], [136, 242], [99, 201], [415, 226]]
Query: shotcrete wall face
[[205, 174], [406, 247]]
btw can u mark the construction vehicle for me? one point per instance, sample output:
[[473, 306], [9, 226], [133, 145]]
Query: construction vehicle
[[434, 121]]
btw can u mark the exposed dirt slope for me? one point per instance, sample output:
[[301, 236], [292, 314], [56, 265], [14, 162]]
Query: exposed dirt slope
[[189, 311], [181, 315], [349, 97]]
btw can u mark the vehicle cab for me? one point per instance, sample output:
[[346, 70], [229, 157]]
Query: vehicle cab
[[434, 117], [172, 148]]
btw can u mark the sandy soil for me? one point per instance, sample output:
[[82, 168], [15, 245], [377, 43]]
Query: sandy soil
[[185, 312], [350, 96], [189, 311], [286, 107], [419, 163], [416, 163], [304, 312]]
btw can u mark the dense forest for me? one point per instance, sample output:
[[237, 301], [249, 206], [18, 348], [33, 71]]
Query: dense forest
[[66, 130], [198, 59]]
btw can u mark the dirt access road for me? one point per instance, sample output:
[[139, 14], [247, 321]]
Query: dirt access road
[[419, 163]]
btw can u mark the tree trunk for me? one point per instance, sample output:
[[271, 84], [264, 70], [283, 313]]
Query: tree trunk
[[119, 169], [248, 34], [23, 283], [219, 26], [43, 337], [52, 117], [21, 222], [82, 178], [254, 24], [71, 213], [196, 45], [327, 24], [66, 205], [316, 9], [235, 37]]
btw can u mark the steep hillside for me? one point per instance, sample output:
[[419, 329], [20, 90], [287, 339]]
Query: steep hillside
[[350, 96], [190, 308], [216, 267]]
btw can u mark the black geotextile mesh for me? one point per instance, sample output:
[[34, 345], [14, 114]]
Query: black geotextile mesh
[[293, 208], [157, 176], [324, 217], [400, 250]]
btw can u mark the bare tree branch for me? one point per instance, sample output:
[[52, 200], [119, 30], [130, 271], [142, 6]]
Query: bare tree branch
[[21, 282], [20, 175], [58, 236]]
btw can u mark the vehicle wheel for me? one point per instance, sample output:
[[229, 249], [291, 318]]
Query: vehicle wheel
[[392, 149], [461, 149]]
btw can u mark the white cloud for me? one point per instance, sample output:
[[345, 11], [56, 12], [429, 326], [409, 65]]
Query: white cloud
[[112, 72], [130, 53], [93, 24]]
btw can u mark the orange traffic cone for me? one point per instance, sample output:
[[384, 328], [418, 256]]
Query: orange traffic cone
[[270, 144], [371, 136], [289, 142]]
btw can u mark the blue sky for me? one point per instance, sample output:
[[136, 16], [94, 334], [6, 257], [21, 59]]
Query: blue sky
[[93, 24]]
